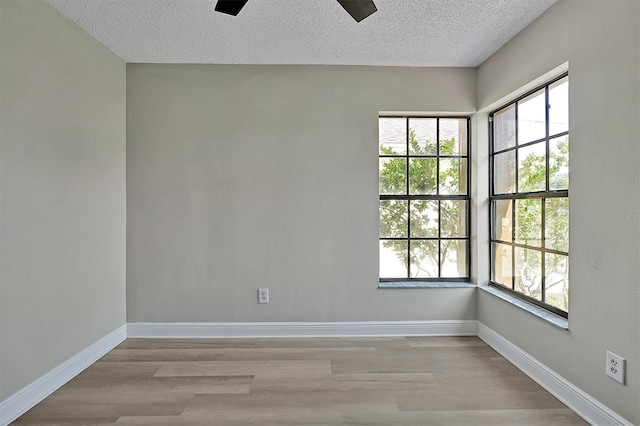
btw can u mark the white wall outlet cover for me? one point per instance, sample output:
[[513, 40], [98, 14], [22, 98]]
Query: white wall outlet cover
[[263, 295], [615, 367]]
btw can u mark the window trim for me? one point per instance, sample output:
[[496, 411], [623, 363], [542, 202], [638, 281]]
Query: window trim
[[540, 195], [431, 197]]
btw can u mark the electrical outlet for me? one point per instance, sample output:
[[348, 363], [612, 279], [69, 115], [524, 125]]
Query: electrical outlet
[[615, 367], [263, 295]]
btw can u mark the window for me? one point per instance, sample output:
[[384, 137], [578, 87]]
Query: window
[[424, 199], [529, 193]]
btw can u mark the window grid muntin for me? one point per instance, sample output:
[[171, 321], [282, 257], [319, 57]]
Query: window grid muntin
[[434, 197], [513, 196]]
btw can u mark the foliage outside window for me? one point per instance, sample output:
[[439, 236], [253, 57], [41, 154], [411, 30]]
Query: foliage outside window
[[424, 200], [530, 196]]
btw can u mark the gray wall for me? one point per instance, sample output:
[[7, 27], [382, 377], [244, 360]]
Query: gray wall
[[62, 191], [242, 177], [600, 40]]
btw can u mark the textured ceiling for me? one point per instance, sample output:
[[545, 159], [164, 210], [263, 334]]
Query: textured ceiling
[[458, 33]]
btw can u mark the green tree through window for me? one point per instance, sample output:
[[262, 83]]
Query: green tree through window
[[424, 200], [530, 198]]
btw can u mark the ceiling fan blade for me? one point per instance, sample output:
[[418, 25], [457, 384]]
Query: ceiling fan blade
[[359, 9], [230, 7]]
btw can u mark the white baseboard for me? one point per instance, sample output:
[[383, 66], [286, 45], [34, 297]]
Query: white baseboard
[[20, 402], [583, 404], [301, 329]]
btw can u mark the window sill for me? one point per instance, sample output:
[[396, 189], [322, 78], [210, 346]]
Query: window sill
[[424, 284], [556, 320]]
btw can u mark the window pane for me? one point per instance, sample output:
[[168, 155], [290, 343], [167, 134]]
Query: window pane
[[529, 272], [502, 227], [532, 168], [453, 258], [422, 136], [393, 219], [531, 165], [453, 218], [424, 219], [559, 106], [559, 163], [392, 134], [504, 128], [557, 281], [556, 225], [422, 176], [502, 266], [453, 136], [393, 259], [453, 176], [504, 173], [424, 259], [393, 176], [411, 166], [529, 221], [532, 117]]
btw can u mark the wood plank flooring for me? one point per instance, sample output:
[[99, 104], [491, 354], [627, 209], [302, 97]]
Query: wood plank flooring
[[299, 382]]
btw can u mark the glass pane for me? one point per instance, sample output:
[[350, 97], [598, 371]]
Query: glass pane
[[532, 168], [392, 135], [422, 176], [453, 258], [502, 266], [393, 219], [532, 118], [556, 224], [529, 272], [559, 106], [453, 176], [393, 176], [529, 222], [559, 163], [502, 226], [504, 173], [453, 136], [424, 219], [393, 259], [424, 259], [504, 128], [557, 281], [453, 217], [422, 136]]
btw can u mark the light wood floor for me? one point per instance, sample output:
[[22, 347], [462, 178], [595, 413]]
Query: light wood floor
[[370, 381]]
